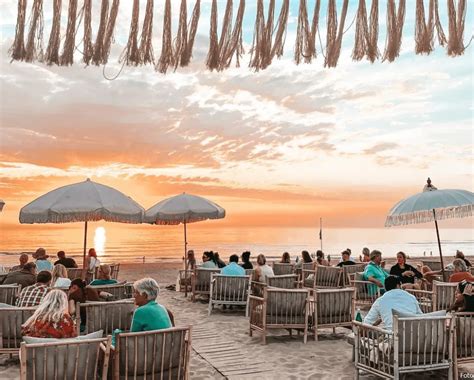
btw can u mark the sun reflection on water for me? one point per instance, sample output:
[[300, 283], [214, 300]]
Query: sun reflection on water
[[99, 240]]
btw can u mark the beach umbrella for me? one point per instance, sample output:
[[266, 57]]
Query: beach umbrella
[[82, 202], [432, 205], [183, 208], [2, 203]]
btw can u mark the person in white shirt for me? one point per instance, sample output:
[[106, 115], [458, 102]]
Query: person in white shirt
[[59, 277], [394, 298], [263, 270]]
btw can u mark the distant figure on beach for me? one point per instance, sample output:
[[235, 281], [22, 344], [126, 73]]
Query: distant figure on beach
[[23, 260], [246, 264], [394, 298], [233, 268], [346, 259], [405, 272], [92, 261], [59, 277], [79, 293], [263, 270], [220, 263], [365, 257], [191, 260], [429, 186], [42, 262], [149, 314], [208, 260], [103, 277], [285, 258], [464, 301], [51, 319], [24, 277], [460, 272], [320, 260], [68, 262], [305, 259], [33, 295], [460, 255], [375, 273]]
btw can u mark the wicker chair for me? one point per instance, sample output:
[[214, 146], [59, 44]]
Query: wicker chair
[[65, 359], [462, 330], [160, 354], [9, 293], [201, 281], [119, 291], [11, 320], [424, 298], [443, 295], [322, 277], [283, 268], [106, 316], [420, 344], [279, 309], [347, 270], [228, 290], [331, 308], [288, 281], [364, 290]]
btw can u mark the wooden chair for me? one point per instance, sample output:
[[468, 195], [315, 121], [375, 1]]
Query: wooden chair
[[462, 330], [114, 271], [9, 293], [228, 290], [201, 281], [287, 281], [424, 298], [302, 267], [160, 354], [106, 316], [347, 270], [366, 292], [331, 308], [11, 320], [283, 268], [322, 277], [185, 281], [279, 309], [119, 291], [443, 295], [73, 273], [65, 359], [419, 344], [249, 272]]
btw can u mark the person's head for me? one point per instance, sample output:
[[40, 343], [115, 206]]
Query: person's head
[[145, 290], [92, 252], [465, 295], [319, 254], [459, 255], [366, 251], [216, 255], [349, 250], [234, 259], [52, 309], [191, 255], [104, 272], [59, 271], [61, 254], [285, 258], [77, 284], [23, 259], [261, 259], [459, 265], [306, 257], [345, 255], [392, 282], [43, 277], [246, 256], [208, 256], [40, 254], [401, 258], [30, 267], [376, 256]]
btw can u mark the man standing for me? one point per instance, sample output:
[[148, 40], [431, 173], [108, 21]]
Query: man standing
[[33, 295], [68, 262], [24, 277]]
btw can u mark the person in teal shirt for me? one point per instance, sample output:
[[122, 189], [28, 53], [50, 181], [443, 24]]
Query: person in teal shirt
[[103, 276], [233, 269], [375, 273]]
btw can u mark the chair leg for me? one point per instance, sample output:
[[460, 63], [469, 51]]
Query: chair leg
[[356, 374], [209, 309], [333, 330]]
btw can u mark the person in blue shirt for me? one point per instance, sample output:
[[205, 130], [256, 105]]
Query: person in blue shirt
[[42, 262], [233, 269], [375, 273]]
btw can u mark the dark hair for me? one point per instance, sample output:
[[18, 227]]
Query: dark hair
[[285, 258], [210, 255], [345, 252], [403, 254], [246, 256], [391, 282], [319, 254], [29, 266], [44, 277], [61, 254], [306, 257], [79, 282], [234, 259], [468, 300]]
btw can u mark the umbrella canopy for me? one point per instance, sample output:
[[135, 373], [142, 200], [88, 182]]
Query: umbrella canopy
[[2, 203]]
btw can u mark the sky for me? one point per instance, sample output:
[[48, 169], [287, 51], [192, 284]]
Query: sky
[[281, 147]]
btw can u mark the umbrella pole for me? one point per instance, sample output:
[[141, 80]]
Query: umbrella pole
[[185, 261], [84, 252], [439, 244]]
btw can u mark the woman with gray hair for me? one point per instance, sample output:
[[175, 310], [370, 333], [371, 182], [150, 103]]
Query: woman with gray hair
[[460, 272], [149, 314]]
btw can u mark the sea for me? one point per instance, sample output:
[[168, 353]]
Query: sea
[[146, 244]]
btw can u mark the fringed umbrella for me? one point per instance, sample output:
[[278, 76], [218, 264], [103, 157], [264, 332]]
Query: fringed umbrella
[[82, 202], [432, 205]]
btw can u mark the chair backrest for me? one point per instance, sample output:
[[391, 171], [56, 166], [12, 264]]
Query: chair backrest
[[464, 334], [444, 295], [11, 320], [249, 272], [327, 277], [155, 354], [229, 288], [287, 281], [73, 273], [65, 359], [287, 305], [114, 271], [9, 293], [347, 270], [106, 316], [119, 291], [432, 264], [202, 278], [424, 298], [283, 268], [334, 306]]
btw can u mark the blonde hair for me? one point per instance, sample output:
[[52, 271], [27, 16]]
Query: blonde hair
[[59, 271], [105, 270], [52, 309], [261, 260]]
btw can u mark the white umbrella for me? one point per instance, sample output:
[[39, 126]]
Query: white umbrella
[[2, 203], [183, 208], [432, 205], [82, 202]]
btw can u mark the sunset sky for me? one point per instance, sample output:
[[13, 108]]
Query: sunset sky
[[281, 147]]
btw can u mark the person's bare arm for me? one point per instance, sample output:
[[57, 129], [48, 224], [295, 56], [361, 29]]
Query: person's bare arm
[[375, 281]]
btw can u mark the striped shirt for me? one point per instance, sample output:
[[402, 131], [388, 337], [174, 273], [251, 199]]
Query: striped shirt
[[32, 295]]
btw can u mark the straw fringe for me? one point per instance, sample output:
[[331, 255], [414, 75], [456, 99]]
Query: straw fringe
[[67, 56], [88, 49], [212, 61], [366, 34], [109, 32], [303, 36], [146, 47], [17, 50], [427, 215], [94, 216], [334, 36], [34, 44], [279, 43], [167, 56], [181, 41], [456, 27], [233, 45], [187, 53], [131, 54], [394, 30], [52, 52], [424, 30]]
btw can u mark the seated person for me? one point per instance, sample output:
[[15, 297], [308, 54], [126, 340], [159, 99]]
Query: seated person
[[460, 255], [320, 260], [394, 298], [42, 262], [33, 295], [365, 257], [405, 272], [191, 260], [263, 270], [305, 259], [59, 277], [68, 262], [460, 272], [220, 263], [464, 298], [285, 258], [374, 272], [149, 314], [24, 277], [246, 264], [208, 260], [23, 261], [346, 259], [103, 277], [233, 269], [51, 319], [79, 293]]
